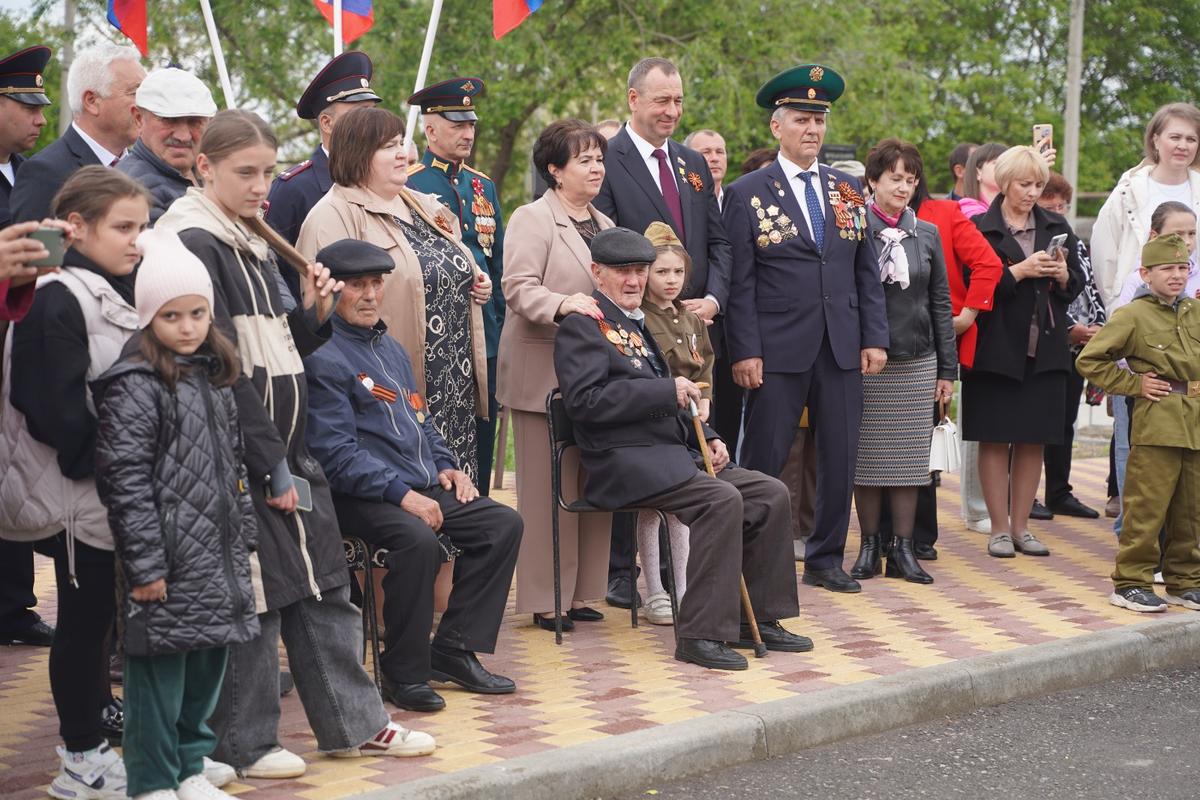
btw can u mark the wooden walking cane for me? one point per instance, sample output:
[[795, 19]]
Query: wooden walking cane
[[760, 649]]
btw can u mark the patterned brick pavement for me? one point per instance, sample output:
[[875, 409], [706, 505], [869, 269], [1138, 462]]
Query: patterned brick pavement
[[609, 679]]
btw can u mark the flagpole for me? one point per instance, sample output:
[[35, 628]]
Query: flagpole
[[218, 55], [337, 28], [423, 69]]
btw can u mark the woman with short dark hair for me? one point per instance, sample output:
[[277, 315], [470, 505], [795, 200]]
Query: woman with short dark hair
[[894, 438], [433, 299], [547, 276]]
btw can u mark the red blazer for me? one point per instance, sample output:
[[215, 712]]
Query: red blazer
[[964, 246], [15, 303]]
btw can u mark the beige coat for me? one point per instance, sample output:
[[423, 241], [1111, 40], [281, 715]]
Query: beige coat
[[545, 261], [355, 213]]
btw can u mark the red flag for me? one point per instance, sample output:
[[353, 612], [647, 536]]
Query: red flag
[[508, 14], [129, 17], [357, 17]]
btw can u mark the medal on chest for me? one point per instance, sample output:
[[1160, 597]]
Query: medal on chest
[[485, 217], [849, 210], [379, 392], [417, 404], [627, 344], [774, 227]]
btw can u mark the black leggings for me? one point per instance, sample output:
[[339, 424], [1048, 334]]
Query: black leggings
[[79, 655]]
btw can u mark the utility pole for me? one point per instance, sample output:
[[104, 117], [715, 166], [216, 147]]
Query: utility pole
[[1074, 78], [68, 55]]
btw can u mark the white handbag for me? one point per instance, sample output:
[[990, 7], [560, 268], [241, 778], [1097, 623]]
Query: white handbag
[[944, 446]]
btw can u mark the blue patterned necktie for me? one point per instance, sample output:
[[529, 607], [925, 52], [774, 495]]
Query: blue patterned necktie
[[816, 214]]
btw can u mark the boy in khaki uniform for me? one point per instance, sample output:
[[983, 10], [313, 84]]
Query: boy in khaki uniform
[[1158, 334]]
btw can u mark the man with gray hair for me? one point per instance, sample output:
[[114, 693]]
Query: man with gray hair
[[101, 87], [173, 109], [649, 178], [711, 145]]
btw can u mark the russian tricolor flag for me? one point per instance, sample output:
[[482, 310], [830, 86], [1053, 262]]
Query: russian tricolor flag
[[129, 17], [508, 14], [357, 17]]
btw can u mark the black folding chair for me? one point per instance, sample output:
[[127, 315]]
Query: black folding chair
[[562, 438], [360, 557]]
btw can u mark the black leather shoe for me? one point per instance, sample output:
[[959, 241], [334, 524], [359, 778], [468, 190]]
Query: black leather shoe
[[547, 623], [621, 593], [775, 637], [902, 563], [463, 668], [112, 722], [412, 696], [39, 634], [1072, 507], [869, 562], [834, 579], [585, 614], [710, 654], [1039, 511], [924, 552], [286, 683]]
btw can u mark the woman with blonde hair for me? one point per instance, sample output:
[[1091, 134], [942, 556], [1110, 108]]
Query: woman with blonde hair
[[1014, 394]]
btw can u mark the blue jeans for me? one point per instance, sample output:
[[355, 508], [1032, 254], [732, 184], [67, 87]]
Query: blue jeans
[[1121, 445]]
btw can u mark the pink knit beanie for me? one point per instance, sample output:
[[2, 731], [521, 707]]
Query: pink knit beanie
[[169, 270]]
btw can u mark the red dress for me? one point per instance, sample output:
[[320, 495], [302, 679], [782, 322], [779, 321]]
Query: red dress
[[964, 246]]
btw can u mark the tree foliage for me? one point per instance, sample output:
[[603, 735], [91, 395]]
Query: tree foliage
[[935, 72]]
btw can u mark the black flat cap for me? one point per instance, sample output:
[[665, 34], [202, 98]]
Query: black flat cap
[[454, 99], [21, 76], [345, 79], [351, 258], [621, 247]]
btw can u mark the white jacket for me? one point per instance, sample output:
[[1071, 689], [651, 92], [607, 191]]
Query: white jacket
[[1119, 232], [36, 499]]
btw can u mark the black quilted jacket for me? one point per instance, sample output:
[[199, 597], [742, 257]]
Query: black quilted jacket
[[169, 469]]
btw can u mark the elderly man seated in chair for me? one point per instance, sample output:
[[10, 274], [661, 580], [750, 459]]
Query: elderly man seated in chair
[[396, 486], [638, 448]]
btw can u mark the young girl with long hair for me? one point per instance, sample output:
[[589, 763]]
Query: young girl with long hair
[[80, 319], [169, 468], [301, 581]]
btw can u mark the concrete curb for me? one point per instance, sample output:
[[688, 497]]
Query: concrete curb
[[625, 763]]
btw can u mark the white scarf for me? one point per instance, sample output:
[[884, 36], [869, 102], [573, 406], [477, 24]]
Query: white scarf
[[893, 261]]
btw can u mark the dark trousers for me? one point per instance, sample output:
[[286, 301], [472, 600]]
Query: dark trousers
[[727, 403], [168, 700], [16, 587], [834, 399], [79, 655], [1057, 457], [488, 534], [485, 433], [716, 510]]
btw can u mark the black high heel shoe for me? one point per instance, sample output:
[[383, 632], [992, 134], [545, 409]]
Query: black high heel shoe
[[547, 623], [902, 563], [869, 562]]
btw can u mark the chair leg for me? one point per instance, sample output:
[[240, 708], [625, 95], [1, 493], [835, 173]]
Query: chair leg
[[557, 575], [671, 576], [633, 576], [371, 628]]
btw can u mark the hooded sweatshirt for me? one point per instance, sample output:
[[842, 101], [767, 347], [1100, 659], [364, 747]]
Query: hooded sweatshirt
[[300, 554]]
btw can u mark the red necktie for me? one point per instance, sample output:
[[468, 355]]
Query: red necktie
[[670, 191]]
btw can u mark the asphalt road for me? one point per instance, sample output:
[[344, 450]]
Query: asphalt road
[[1135, 738]]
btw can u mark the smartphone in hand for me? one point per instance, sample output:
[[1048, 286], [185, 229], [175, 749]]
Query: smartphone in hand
[[1056, 245], [1043, 137], [54, 240]]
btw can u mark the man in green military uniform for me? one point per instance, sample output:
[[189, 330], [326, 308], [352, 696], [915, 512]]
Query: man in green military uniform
[[448, 122], [1158, 334]]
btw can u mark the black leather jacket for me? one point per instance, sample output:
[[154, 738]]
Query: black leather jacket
[[919, 318]]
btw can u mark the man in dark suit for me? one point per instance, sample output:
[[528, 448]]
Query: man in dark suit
[[637, 446], [806, 316], [649, 178], [22, 96], [101, 89]]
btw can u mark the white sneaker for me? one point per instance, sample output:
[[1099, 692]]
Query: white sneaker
[[979, 525], [657, 609], [157, 794], [197, 787], [95, 775], [394, 740], [217, 773], [1158, 578], [278, 763]]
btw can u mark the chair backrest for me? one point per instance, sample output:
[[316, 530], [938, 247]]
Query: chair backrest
[[562, 436]]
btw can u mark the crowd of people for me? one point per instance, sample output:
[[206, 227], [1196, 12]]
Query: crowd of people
[[211, 374]]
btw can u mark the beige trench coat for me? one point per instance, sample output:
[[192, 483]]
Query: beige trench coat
[[355, 213]]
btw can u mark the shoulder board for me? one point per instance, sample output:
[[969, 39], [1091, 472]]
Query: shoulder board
[[292, 172], [475, 171], [413, 169]]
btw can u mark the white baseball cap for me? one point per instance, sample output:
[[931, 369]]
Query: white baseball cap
[[172, 92]]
